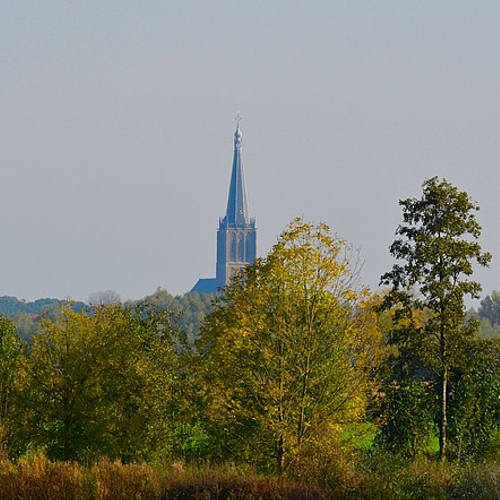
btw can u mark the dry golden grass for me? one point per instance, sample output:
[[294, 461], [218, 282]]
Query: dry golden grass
[[383, 477], [40, 479], [226, 483], [115, 480]]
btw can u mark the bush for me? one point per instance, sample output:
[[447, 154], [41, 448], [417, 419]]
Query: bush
[[383, 475], [479, 482]]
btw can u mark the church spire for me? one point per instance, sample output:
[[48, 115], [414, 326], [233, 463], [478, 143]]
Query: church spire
[[236, 236], [237, 206]]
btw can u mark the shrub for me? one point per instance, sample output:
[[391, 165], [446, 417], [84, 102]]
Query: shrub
[[479, 482], [383, 475]]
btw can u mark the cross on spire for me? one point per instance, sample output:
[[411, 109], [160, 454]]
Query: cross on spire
[[238, 117]]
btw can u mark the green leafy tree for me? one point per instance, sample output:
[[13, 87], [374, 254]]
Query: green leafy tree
[[490, 308], [487, 330], [474, 399], [436, 250], [406, 407], [10, 357], [96, 385], [190, 309], [288, 351]]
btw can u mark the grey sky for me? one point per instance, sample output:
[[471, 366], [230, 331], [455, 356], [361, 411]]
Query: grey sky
[[116, 129]]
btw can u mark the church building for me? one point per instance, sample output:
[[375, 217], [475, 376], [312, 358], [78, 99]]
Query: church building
[[236, 236]]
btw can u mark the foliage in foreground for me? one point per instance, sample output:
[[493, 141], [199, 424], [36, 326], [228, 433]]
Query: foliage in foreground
[[371, 476]]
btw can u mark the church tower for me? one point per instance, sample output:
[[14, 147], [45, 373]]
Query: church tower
[[236, 236]]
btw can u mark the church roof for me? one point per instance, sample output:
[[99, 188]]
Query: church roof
[[237, 205], [205, 285]]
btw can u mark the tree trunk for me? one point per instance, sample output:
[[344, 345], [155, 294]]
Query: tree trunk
[[280, 449], [443, 424]]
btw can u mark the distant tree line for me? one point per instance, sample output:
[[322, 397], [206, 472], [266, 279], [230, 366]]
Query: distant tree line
[[12, 307], [189, 308]]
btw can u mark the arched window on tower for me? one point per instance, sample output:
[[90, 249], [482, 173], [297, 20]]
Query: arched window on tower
[[250, 257], [241, 247], [232, 256]]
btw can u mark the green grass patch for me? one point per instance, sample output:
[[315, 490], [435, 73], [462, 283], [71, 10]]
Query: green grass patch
[[359, 435]]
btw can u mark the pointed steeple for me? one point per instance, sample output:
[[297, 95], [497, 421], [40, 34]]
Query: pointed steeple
[[237, 206], [236, 236]]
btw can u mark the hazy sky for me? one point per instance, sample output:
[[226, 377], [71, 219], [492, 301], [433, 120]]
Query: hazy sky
[[116, 130]]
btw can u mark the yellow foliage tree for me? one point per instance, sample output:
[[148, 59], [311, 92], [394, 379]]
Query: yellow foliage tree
[[289, 351]]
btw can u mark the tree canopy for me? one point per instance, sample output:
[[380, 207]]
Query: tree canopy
[[288, 350], [96, 385], [436, 251]]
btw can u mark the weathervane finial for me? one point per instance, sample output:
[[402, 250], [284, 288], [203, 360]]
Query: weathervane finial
[[238, 117]]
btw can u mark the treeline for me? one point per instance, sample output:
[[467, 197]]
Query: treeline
[[26, 315], [190, 309], [13, 307], [488, 315], [296, 370]]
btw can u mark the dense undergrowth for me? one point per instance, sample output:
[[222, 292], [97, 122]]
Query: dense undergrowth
[[374, 477]]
